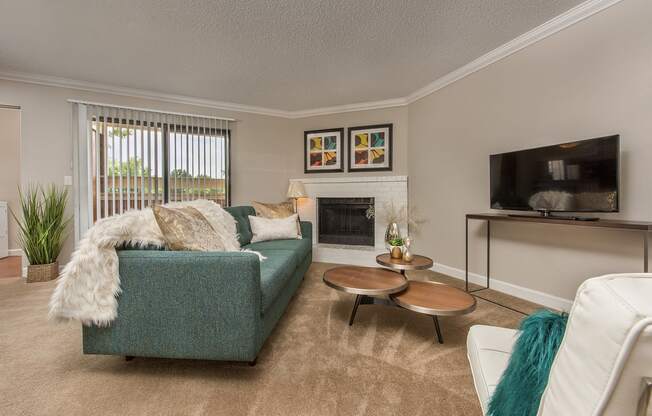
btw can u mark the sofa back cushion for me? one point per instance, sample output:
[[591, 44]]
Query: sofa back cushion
[[606, 350], [241, 214]]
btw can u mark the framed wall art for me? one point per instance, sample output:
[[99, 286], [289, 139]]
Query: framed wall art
[[370, 148], [323, 151]]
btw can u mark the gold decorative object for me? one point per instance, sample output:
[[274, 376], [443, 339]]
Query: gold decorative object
[[396, 252], [407, 254], [392, 232]]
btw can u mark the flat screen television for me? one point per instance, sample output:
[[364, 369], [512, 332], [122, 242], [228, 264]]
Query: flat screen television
[[578, 176]]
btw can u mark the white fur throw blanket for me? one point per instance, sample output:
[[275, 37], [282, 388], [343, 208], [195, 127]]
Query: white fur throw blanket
[[89, 285]]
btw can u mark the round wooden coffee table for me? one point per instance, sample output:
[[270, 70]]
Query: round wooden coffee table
[[435, 299], [428, 298], [418, 262], [365, 282]]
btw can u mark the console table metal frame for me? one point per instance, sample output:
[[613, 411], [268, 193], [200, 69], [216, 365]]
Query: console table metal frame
[[639, 226]]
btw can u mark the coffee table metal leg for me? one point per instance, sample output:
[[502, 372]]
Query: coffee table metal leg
[[358, 298], [437, 329]]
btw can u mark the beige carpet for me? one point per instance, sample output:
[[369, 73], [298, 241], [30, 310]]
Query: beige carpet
[[387, 363]]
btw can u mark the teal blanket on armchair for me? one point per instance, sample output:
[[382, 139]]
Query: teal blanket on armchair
[[203, 305]]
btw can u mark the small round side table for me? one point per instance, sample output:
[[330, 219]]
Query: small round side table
[[418, 263]]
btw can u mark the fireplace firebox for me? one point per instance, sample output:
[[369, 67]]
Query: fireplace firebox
[[348, 221]]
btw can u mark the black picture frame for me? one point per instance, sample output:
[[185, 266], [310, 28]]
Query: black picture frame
[[340, 150], [388, 148]]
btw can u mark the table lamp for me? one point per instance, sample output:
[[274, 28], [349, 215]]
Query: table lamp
[[296, 190]]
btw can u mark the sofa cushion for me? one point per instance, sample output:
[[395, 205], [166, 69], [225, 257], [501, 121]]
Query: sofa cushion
[[275, 272], [301, 248], [488, 348], [240, 214]]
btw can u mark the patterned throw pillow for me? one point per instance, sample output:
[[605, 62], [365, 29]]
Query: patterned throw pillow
[[187, 229], [280, 210], [265, 229], [275, 211]]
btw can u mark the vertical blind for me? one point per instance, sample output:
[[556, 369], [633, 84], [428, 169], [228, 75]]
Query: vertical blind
[[129, 158]]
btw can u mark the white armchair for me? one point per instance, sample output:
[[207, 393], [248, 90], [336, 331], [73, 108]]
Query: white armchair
[[604, 363]]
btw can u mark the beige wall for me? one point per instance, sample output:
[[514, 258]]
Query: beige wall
[[10, 165], [261, 163], [265, 151], [398, 116], [589, 80]]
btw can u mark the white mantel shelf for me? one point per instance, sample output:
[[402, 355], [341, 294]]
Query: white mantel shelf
[[353, 179]]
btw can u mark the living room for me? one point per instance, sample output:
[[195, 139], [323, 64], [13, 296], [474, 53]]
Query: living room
[[397, 120]]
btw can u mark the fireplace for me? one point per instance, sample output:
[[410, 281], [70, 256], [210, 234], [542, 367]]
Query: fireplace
[[348, 221]]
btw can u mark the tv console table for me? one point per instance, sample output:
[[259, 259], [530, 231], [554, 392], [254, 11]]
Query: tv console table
[[639, 226]]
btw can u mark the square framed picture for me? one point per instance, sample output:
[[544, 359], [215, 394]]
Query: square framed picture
[[370, 148], [323, 151]]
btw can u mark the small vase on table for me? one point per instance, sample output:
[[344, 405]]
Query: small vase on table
[[407, 254]]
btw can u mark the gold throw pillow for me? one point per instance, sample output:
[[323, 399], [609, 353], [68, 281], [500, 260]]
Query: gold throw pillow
[[280, 210], [276, 211], [187, 229]]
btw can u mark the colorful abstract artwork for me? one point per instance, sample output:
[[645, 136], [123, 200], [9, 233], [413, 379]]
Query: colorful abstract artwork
[[370, 148], [323, 151]]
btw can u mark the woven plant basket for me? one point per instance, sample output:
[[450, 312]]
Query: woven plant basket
[[42, 272]]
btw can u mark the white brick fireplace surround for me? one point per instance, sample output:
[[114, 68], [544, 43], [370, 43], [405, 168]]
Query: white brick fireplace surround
[[383, 189]]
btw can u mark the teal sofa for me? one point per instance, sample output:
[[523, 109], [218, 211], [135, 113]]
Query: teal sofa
[[203, 305]]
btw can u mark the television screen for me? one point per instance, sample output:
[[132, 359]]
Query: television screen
[[576, 177]]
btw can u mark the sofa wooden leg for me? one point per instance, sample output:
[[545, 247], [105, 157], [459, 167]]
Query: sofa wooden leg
[[253, 363], [129, 357]]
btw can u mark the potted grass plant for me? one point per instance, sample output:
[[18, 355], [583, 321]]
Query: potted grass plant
[[42, 229]]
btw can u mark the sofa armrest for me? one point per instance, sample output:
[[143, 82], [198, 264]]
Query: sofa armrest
[[306, 230], [204, 305]]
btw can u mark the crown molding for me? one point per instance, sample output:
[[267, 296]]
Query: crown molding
[[564, 20], [347, 108], [51, 81]]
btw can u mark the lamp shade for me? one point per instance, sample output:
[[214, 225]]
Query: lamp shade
[[296, 190]]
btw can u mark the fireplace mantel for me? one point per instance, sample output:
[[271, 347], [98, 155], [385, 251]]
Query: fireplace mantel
[[383, 189], [353, 179]]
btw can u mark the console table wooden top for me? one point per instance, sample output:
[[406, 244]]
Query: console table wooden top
[[602, 223]]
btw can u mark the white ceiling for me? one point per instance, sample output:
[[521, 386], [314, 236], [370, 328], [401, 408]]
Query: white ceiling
[[286, 54]]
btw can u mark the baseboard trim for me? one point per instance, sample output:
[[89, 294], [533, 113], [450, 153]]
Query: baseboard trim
[[545, 299], [368, 258], [15, 252]]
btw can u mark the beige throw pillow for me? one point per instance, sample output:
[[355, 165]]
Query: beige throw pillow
[[280, 210], [274, 211], [265, 229], [187, 229]]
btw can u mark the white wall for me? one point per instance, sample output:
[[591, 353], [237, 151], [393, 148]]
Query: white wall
[[589, 80]]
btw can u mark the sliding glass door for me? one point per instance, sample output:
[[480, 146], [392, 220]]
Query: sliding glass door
[[137, 159]]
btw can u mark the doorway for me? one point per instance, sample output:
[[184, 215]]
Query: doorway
[[10, 253]]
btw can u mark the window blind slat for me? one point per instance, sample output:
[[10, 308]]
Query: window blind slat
[[126, 166], [156, 171]]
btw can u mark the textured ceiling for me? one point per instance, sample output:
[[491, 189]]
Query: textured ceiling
[[286, 54]]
